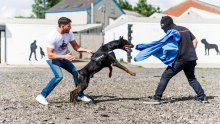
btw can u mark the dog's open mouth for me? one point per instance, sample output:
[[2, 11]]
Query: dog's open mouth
[[127, 48]]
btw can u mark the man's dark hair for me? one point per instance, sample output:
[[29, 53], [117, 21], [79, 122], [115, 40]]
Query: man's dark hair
[[64, 21]]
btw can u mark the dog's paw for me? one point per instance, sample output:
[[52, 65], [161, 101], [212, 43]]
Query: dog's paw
[[110, 75], [71, 96], [133, 73]]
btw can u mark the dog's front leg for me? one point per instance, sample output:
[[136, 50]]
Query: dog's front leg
[[74, 94], [124, 68], [110, 71]]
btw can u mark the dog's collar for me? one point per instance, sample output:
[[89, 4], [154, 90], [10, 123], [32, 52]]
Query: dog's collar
[[110, 52], [102, 56]]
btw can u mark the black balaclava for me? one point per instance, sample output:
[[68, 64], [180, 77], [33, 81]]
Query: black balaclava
[[166, 23]]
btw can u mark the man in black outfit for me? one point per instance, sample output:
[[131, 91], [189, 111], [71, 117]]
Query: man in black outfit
[[186, 61], [33, 50]]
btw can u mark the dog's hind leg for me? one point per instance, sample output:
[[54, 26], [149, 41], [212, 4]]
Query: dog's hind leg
[[71, 96], [84, 83], [110, 72]]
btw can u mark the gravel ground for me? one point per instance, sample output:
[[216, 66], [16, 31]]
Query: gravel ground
[[116, 100]]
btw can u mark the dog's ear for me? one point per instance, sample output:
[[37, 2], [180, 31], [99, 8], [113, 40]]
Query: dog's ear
[[121, 38]]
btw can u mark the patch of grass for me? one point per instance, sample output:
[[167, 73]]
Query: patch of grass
[[122, 62], [139, 66], [204, 81]]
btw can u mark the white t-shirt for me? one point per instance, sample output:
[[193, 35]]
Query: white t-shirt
[[59, 42]]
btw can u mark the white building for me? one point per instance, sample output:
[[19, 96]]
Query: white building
[[146, 30], [18, 34]]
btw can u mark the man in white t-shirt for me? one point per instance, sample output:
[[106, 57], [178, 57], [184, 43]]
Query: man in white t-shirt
[[57, 58]]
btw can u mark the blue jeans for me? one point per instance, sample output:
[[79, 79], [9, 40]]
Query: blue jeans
[[189, 69], [55, 66]]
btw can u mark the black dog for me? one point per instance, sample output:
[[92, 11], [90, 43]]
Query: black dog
[[209, 46], [42, 53], [103, 57]]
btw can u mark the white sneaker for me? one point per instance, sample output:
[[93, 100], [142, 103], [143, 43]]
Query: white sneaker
[[41, 99], [84, 99]]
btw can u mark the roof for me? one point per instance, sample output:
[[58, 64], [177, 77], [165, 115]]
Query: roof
[[157, 15], [124, 19], [81, 28], [75, 28], [133, 13], [2, 27], [191, 13], [184, 6], [76, 5], [72, 5], [198, 14]]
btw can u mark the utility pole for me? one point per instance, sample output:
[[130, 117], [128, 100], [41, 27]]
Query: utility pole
[[103, 10], [129, 57]]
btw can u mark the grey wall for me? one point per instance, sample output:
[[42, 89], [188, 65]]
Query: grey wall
[[92, 42], [111, 11]]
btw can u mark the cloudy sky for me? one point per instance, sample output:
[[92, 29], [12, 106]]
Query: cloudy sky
[[12, 8]]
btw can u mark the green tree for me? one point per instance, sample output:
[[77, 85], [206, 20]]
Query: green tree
[[40, 6], [125, 4], [145, 9]]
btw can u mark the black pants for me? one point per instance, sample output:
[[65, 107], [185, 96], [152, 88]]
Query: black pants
[[33, 51], [189, 70]]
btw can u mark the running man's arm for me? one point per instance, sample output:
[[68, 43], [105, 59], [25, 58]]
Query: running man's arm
[[78, 48]]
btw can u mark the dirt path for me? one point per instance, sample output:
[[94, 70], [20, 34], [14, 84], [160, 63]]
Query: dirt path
[[117, 100]]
